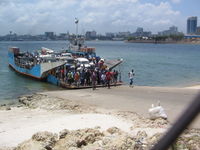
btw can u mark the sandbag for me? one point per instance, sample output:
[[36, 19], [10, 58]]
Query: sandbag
[[157, 112]]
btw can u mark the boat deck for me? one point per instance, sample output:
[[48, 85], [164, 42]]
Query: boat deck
[[113, 63]]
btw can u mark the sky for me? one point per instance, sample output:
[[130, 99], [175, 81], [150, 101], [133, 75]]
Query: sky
[[39, 16]]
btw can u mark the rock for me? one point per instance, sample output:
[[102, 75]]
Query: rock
[[91, 135], [141, 134], [46, 139], [154, 139], [26, 102], [81, 143], [82, 138], [3, 105], [97, 127], [190, 142], [157, 123], [119, 142], [44, 136], [22, 99], [19, 106], [140, 140], [63, 133], [48, 147], [8, 108], [114, 130]]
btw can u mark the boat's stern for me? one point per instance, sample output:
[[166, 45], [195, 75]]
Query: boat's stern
[[12, 52]]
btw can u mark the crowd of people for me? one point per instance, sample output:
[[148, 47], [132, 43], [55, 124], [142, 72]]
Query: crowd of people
[[98, 74], [90, 76]]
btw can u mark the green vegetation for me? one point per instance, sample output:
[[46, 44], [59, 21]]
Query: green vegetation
[[130, 38], [159, 38], [177, 37], [172, 37]]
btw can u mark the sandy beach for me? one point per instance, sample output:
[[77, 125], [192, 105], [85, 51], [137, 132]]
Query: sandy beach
[[122, 107], [137, 99]]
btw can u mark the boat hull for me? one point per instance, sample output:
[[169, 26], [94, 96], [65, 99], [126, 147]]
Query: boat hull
[[38, 71], [34, 72], [24, 73]]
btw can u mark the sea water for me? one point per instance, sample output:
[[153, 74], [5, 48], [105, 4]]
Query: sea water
[[154, 64]]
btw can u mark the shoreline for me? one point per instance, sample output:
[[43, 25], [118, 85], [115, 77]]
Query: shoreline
[[194, 42], [14, 101]]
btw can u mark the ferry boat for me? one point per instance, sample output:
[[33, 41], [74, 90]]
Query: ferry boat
[[54, 67]]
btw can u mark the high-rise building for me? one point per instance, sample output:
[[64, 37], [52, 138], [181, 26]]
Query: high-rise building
[[191, 25]]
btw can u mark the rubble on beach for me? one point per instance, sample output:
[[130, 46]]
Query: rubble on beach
[[42, 101], [94, 139]]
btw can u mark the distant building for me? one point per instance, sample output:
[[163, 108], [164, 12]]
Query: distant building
[[141, 33], [88, 34], [110, 35], [191, 25], [123, 34], [198, 30], [49, 35], [91, 34], [139, 30], [173, 30], [63, 36]]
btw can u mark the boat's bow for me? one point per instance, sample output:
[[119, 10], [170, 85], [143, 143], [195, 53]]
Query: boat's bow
[[113, 63]]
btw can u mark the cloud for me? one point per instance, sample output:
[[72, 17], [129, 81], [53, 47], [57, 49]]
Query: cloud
[[162, 22], [122, 15], [38, 16], [176, 1]]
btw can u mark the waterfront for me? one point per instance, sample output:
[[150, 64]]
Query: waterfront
[[154, 64]]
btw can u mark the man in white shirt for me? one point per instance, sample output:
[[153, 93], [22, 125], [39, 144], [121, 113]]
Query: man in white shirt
[[131, 74]]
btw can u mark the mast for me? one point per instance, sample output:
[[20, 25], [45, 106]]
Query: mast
[[76, 22]]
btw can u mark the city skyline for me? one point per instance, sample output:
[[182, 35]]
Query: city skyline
[[38, 16]]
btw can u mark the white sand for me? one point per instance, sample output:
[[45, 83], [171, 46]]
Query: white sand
[[20, 124]]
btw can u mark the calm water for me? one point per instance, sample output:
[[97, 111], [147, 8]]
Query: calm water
[[154, 64]]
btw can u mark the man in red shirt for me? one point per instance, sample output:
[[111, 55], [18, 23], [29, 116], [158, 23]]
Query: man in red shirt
[[108, 78]]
